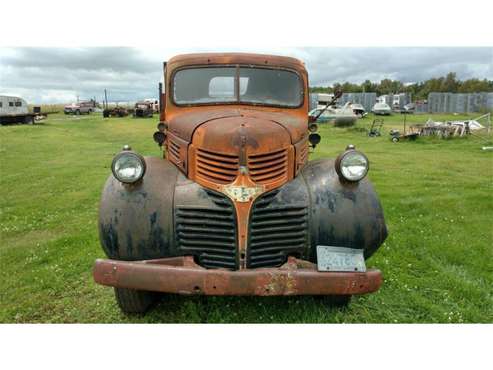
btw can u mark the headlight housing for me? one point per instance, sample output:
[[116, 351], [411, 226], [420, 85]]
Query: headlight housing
[[128, 167], [352, 165]]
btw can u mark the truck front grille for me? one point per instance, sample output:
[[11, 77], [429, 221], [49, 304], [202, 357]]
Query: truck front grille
[[216, 167], [268, 167], [208, 233], [276, 230]]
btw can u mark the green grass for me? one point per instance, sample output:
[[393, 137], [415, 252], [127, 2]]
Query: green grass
[[437, 261]]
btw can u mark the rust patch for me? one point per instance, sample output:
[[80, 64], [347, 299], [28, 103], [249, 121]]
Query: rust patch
[[182, 276]]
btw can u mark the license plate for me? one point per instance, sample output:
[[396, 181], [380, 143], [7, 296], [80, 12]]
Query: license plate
[[340, 259]]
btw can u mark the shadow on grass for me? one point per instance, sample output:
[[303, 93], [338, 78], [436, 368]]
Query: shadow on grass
[[215, 309]]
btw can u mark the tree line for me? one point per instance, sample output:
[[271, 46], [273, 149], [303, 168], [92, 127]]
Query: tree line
[[419, 90]]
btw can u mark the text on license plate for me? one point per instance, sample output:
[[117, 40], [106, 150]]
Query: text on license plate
[[331, 258]]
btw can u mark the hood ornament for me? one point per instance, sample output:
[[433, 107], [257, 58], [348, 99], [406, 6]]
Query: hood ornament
[[241, 193]]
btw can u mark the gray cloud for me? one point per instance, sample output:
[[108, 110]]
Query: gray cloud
[[49, 75]]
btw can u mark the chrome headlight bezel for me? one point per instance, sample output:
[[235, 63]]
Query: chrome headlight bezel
[[344, 157], [134, 156]]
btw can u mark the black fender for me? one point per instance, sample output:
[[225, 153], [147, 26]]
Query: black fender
[[144, 220], [136, 220], [342, 213], [320, 209]]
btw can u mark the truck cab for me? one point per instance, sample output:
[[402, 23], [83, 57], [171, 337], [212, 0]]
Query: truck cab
[[143, 109], [234, 206]]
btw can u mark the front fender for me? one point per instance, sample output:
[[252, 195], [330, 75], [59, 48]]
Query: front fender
[[136, 220], [342, 213]]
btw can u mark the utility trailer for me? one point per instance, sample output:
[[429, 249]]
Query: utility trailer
[[14, 110]]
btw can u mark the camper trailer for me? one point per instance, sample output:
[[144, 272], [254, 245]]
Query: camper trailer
[[14, 110]]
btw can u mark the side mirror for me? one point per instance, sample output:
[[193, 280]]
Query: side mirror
[[312, 119]]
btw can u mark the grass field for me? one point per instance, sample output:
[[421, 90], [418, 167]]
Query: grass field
[[437, 261]]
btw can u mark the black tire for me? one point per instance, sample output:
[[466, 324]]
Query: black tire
[[337, 301], [395, 139], [77, 112], [134, 301]]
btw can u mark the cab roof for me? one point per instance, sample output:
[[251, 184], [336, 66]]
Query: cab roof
[[235, 58]]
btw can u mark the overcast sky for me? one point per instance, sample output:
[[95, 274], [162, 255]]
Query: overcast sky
[[51, 75]]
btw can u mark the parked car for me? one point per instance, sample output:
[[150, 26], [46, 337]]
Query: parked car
[[84, 107], [233, 206], [382, 109], [409, 108]]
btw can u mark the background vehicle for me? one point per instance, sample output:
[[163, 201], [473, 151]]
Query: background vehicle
[[343, 116], [116, 111], [234, 207], [14, 110], [143, 109], [382, 109], [358, 109], [84, 107]]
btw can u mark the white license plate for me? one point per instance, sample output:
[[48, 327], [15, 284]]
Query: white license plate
[[340, 259]]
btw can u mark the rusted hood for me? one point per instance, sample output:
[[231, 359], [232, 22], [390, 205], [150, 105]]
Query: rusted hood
[[184, 125]]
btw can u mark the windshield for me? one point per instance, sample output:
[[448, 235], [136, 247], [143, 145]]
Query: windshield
[[249, 85]]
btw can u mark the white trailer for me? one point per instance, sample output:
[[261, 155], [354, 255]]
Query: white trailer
[[14, 110]]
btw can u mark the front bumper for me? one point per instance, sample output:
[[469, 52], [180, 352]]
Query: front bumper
[[183, 276]]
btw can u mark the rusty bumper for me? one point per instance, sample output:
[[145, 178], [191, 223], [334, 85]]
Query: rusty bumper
[[181, 275]]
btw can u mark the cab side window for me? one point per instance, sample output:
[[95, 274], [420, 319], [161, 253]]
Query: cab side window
[[18, 104], [11, 103], [1, 104]]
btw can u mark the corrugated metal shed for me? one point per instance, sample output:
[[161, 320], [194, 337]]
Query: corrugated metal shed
[[459, 103], [367, 100]]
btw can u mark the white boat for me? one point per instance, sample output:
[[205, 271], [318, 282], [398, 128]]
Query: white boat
[[358, 109], [343, 116]]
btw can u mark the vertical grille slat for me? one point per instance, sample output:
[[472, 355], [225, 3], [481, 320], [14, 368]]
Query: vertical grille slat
[[275, 232], [209, 233]]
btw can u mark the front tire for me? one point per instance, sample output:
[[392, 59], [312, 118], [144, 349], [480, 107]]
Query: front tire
[[133, 301]]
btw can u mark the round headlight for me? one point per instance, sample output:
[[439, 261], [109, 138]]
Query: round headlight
[[352, 165], [128, 167]]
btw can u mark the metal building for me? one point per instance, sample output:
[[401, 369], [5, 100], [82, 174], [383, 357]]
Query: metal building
[[367, 100], [459, 103]]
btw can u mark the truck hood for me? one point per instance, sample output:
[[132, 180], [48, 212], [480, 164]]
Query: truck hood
[[185, 124]]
